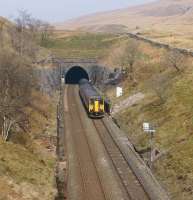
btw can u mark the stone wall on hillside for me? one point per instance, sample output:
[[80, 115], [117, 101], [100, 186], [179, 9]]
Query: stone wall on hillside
[[187, 52]]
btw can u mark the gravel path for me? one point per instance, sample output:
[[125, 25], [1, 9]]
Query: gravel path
[[130, 101]]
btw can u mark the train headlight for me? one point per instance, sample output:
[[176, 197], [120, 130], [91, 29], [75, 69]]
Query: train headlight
[[91, 108], [102, 107]]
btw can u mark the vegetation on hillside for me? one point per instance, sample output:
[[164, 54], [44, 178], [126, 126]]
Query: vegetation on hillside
[[166, 79], [82, 45], [26, 165]]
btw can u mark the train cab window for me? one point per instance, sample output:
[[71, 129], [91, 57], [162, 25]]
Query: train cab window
[[92, 101]]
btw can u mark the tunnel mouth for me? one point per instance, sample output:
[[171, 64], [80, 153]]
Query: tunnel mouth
[[75, 74]]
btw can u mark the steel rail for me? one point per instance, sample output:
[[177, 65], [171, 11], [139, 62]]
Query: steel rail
[[91, 185], [139, 168], [131, 184]]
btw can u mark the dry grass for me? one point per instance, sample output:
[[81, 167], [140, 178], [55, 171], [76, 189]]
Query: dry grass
[[25, 175], [167, 21], [26, 164], [173, 118]]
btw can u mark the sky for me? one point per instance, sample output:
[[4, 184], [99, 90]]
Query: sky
[[62, 10]]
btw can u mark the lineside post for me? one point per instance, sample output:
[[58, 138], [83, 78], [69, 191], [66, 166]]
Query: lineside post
[[148, 128]]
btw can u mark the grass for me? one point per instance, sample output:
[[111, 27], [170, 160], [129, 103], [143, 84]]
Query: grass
[[173, 37], [83, 45], [173, 118], [23, 165], [26, 166], [20, 167]]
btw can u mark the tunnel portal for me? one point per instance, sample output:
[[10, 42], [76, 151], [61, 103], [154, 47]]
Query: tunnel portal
[[75, 74]]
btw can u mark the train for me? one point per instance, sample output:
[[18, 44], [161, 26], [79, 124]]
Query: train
[[93, 101]]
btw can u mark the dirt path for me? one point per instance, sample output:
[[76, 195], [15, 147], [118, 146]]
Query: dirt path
[[130, 101]]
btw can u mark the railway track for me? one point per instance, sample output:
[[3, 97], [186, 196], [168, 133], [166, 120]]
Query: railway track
[[97, 167], [132, 185], [88, 185]]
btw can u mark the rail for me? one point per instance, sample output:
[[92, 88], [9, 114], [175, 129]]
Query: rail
[[141, 171], [130, 182]]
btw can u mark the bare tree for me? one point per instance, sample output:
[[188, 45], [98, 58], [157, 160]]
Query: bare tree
[[17, 77], [23, 43], [21, 27], [97, 75], [159, 84], [46, 31], [130, 57], [28, 33], [16, 83], [2, 25], [175, 59], [126, 55]]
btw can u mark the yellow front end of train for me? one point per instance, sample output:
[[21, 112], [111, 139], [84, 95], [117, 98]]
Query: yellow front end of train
[[96, 107]]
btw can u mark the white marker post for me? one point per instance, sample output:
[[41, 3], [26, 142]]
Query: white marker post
[[119, 92], [151, 131], [62, 80]]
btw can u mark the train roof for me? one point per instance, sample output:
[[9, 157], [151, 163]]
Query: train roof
[[83, 81], [88, 88]]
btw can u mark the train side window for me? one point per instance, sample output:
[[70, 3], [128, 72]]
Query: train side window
[[101, 101]]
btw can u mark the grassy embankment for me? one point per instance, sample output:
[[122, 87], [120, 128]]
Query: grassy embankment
[[81, 45], [27, 161], [171, 114]]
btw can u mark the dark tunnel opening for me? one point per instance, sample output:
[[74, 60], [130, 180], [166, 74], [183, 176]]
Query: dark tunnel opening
[[75, 74]]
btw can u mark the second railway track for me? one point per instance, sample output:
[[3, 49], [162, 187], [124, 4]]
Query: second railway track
[[130, 182]]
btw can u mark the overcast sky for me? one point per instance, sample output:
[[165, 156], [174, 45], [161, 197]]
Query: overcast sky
[[62, 10]]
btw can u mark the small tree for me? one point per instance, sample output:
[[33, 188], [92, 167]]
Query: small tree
[[28, 33], [131, 56], [97, 75], [20, 31], [159, 84], [46, 31], [2, 25], [16, 83], [175, 59], [126, 55]]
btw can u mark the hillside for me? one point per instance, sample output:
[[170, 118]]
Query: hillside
[[167, 20], [27, 116], [3, 20], [81, 45], [166, 12], [167, 102]]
